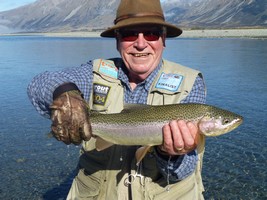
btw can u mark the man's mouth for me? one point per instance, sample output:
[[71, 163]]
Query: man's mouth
[[140, 54]]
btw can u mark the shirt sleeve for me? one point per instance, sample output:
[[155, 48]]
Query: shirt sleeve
[[41, 88], [178, 169], [184, 165], [198, 92]]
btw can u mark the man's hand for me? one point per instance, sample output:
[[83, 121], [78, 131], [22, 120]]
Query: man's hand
[[70, 118], [179, 137]]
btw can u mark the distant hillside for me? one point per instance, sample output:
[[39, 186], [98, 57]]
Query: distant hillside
[[217, 13], [82, 15]]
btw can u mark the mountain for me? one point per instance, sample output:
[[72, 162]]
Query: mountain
[[83, 15], [217, 13], [59, 15]]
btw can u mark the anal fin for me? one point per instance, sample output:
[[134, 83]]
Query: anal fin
[[141, 153]]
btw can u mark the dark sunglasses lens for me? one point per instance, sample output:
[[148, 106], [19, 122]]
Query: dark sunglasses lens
[[151, 36], [130, 36]]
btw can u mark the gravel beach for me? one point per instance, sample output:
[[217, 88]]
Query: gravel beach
[[247, 33], [205, 33]]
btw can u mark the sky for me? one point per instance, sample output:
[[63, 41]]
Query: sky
[[10, 4]]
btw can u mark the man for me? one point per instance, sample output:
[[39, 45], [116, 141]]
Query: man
[[171, 170]]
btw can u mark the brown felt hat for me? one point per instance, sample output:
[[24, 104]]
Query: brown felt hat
[[140, 12]]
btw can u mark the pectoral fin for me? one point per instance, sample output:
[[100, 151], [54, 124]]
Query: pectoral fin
[[102, 144], [140, 153]]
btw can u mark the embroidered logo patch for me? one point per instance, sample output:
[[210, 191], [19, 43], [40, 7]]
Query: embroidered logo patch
[[100, 94], [169, 82], [108, 69]]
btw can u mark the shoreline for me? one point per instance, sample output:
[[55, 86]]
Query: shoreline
[[204, 33], [226, 33]]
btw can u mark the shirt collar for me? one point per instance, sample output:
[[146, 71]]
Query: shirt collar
[[122, 75]]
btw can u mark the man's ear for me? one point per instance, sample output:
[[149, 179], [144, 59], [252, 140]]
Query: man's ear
[[164, 36], [163, 40], [117, 44]]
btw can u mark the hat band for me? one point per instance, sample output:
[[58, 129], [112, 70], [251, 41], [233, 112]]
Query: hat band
[[150, 14]]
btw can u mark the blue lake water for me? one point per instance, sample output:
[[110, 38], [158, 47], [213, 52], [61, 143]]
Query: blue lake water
[[34, 166]]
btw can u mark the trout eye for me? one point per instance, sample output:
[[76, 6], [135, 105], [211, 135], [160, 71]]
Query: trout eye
[[226, 121]]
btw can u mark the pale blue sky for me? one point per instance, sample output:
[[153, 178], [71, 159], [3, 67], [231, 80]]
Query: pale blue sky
[[10, 4]]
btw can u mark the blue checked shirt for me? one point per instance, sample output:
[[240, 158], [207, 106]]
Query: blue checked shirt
[[40, 92]]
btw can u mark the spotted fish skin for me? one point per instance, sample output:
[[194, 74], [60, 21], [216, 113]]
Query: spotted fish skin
[[142, 124]]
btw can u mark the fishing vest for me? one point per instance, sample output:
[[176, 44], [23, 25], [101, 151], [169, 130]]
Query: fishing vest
[[106, 174]]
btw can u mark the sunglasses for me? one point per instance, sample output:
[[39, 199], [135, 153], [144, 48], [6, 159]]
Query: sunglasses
[[131, 36]]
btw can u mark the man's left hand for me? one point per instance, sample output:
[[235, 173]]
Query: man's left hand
[[179, 137]]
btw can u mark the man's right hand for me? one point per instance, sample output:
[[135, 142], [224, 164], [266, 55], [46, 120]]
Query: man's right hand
[[70, 118]]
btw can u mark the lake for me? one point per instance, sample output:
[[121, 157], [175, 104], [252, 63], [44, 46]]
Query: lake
[[35, 166]]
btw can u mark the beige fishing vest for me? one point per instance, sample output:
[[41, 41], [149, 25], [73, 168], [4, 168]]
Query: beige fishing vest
[[104, 175]]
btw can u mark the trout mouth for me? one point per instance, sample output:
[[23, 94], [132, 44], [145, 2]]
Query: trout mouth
[[235, 123]]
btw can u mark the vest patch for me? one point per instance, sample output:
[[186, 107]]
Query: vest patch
[[100, 94], [108, 69], [169, 82]]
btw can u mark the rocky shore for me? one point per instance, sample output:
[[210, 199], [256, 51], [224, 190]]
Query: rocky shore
[[218, 33], [230, 33]]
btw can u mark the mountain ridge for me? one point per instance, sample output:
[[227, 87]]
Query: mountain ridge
[[91, 15]]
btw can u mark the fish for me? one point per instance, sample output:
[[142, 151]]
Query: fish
[[141, 125]]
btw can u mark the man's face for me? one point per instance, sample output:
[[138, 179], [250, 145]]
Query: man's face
[[141, 49]]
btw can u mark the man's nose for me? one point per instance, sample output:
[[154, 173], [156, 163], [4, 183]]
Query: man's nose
[[140, 41]]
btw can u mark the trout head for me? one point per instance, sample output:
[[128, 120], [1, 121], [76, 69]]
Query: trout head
[[219, 122]]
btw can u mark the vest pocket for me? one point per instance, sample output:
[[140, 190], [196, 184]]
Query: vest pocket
[[184, 190], [87, 186]]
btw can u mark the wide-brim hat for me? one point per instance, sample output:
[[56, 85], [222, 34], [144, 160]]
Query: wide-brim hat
[[139, 13]]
